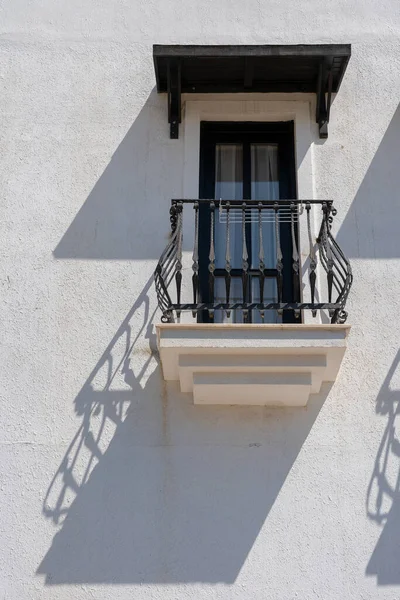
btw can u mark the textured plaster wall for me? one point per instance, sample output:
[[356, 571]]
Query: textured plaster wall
[[112, 484]]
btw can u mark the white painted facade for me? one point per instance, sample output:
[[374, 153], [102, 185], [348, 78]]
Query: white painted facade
[[178, 501]]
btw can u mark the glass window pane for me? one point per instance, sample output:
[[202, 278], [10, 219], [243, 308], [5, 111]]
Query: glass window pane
[[264, 172], [229, 171], [236, 316], [236, 295], [270, 295], [228, 186], [264, 186]]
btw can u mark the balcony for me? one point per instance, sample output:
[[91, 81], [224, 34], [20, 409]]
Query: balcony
[[241, 300]]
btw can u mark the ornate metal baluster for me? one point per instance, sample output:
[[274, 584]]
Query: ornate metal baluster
[[261, 265], [228, 259], [195, 266], [173, 218], [295, 254], [211, 256], [279, 257], [323, 251], [245, 264], [313, 262], [329, 259], [178, 276]]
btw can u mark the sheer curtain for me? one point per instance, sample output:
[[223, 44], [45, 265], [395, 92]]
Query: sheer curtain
[[228, 186], [264, 186]]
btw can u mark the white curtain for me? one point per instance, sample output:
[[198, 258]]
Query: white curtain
[[264, 186], [229, 186]]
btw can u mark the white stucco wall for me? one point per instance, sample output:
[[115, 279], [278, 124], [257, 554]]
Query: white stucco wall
[[177, 501]]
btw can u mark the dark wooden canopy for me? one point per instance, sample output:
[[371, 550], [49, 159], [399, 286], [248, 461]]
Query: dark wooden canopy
[[225, 69]]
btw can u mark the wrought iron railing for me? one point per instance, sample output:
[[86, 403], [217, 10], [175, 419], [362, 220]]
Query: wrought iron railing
[[283, 213]]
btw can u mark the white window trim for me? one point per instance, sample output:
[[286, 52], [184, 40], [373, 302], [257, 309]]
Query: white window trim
[[238, 107]]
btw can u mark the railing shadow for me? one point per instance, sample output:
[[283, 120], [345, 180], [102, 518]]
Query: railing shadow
[[101, 406], [153, 489], [383, 495]]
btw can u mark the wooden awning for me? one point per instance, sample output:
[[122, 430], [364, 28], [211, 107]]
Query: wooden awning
[[317, 69]]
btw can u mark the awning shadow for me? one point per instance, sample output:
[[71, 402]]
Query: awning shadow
[[156, 490], [371, 226], [132, 195], [383, 496]]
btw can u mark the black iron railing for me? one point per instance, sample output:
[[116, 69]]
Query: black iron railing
[[283, 216]]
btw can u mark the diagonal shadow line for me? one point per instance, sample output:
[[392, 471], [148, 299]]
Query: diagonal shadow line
[[128, 195], [383, 493], [370, 227]]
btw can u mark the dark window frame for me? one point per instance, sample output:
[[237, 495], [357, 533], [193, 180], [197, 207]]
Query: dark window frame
[[247, 133]]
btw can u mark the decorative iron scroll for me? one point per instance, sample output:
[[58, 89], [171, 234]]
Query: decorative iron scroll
[[324, 255]]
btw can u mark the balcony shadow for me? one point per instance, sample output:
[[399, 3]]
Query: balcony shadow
[[153, 489], [375, 210], [383, 496], [128, 197]]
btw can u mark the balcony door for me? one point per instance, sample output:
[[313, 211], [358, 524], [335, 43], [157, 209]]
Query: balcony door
[[246, 161]]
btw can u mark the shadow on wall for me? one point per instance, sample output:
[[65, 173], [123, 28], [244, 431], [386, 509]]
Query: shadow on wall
[[132, 195], [154, 489], [371, 226], [383, 497]]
